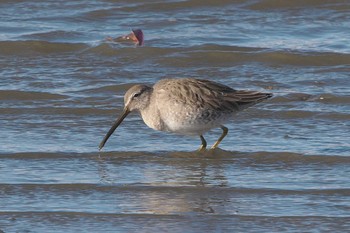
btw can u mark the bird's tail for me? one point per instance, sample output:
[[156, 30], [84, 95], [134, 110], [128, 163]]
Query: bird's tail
[[244, 99]]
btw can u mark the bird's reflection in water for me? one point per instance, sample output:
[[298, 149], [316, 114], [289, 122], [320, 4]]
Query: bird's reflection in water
[[180, 182], [103, 170]]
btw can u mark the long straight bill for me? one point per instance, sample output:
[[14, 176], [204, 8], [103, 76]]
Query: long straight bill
[[114, 127]]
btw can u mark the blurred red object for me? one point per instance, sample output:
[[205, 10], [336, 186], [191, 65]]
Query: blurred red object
[[136, 36]]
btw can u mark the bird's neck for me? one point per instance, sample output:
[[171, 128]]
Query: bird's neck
[[151, 117]]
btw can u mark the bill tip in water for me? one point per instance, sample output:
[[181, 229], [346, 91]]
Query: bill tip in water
[[100, 147]]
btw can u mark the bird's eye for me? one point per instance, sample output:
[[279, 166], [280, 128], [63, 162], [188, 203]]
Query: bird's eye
[[136, 95]]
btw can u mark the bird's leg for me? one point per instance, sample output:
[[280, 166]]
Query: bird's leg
[[204, 144], [224, 133]]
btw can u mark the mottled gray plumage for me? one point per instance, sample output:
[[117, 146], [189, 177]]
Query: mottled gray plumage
[[186, 106]]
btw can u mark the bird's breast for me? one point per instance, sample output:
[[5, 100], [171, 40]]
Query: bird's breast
[[152, 119]]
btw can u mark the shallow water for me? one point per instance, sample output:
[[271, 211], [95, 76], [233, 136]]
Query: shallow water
[[284, 166]]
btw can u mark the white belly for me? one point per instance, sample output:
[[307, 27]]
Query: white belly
[[192, 123]]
